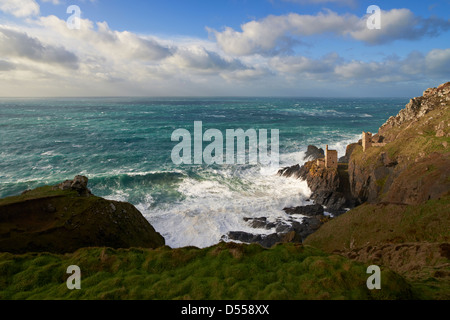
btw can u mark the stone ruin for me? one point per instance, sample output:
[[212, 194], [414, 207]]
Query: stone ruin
[[330, 161], [368, 141]]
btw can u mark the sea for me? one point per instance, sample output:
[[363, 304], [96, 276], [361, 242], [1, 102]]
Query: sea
[[124, 147]]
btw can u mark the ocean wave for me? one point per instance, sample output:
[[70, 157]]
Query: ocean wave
[[217, 203]]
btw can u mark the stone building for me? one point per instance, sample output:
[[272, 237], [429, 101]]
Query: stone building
[[330, 160], [366, 140]]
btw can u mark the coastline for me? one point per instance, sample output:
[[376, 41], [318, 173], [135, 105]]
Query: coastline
[[400, 192]]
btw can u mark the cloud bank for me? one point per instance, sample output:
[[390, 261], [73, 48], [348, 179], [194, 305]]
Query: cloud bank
[[43, 57]]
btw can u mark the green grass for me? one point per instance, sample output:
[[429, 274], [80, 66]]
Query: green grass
[[38, 193], [225, 271], [410, 240], [385, 223]]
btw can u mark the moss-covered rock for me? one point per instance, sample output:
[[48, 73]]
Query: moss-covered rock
[[55, 220]]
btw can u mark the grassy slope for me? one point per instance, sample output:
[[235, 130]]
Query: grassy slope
[[225, 271], [385, 223], [413, 145], [411, 240]]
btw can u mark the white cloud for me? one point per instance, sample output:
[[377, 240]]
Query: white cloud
[[437, 61], [275, 34], [434, 65], [47, 58], [55, 2], [304, 65], [250, 74], [400, 24], [14, 44], [200, 59], [6, 66], [20, 8]]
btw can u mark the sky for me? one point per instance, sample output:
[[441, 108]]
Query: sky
[[296, 48]]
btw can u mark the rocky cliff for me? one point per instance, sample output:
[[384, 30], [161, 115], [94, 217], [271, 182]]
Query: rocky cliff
[[404, 187], [409, 168], [67, 217], [413, 165], [330, 187]]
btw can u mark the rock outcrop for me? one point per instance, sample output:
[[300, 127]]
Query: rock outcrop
[[329, 186], [416, 109], [407, 165], [291, 230], [78, 184], [413, 165], [314, 153], [68, 217]]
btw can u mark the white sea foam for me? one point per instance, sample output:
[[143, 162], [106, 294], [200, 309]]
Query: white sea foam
[[118, 195], [219, 204], [341, 146]]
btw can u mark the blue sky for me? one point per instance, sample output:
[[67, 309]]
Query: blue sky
[[223, 48]]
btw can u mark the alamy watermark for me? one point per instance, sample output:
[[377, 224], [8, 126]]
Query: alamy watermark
[[233, 150], [74, 21], [374, 20], [74, 281], [374, 281]]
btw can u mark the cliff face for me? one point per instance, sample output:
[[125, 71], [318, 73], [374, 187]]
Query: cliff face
[[413, 166], [67, 217], [330, 187], [404, 186], [416, 109]]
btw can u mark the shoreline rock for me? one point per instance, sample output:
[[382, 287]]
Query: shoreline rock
[[330, 187], [78, 184], [68, 217], [285, 230]]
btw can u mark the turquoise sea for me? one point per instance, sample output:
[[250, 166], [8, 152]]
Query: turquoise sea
[[123, 145]]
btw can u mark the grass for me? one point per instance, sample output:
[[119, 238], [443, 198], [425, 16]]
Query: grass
[[411, 240], [224, 271], [385, 223], [38, 193]]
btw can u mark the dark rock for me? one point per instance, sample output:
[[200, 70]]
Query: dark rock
[[260, 223], [311, 210], [387, 161], [55, 222], [330, 187], [283, 227], [288, 172], [50, 208], [79, 184], [348, 152], [314, 153], [308, 226], [334, 201], [266, 241], [285, 231]]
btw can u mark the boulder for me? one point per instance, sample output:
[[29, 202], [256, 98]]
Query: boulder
[[311, 210], [314, 153], [79, 184], [58, 220]]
